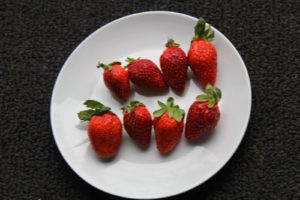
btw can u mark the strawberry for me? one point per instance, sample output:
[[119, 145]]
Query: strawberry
[[203, 115], [138, 123], [145, 73], [104, 128], [116, 79], [173, 63], [202, 55], [168, 125]]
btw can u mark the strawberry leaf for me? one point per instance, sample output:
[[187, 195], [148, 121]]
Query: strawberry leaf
[[219, 93], [171, 112], [108, 66], [172, 43], [209, 89], [170, 101], [115, 63], [182, 112], [211, 102], [159, 112], [130, 60], [97, 108], [174, 111], [86, 115], [203, 31], [93, 104], [202, 97], [212, 95], [177, 116], [199, 28], [100, 111], [209, 33], [161, 104]]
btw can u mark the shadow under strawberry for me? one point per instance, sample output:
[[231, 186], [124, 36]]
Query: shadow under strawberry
[[201, 141], [149, 92], [82, 126], [122, 101]]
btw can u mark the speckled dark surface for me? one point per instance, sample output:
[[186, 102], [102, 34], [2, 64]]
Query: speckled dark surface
[[36, 39]]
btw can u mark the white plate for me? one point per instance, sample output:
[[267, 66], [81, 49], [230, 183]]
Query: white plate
[[147, 174]]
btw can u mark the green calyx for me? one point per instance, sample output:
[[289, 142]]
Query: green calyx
[[203, 31], [212, 95], [108, 66], [174, 111], [129, 107], [130, 60], [96, 108], [172, 43]]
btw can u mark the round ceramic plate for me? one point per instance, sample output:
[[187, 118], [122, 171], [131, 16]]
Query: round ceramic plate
[[147, 174]]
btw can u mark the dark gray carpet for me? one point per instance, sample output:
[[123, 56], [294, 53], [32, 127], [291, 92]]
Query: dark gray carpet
[[36, 39]]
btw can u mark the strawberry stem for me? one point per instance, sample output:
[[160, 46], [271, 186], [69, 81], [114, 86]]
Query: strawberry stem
[[171, 43]]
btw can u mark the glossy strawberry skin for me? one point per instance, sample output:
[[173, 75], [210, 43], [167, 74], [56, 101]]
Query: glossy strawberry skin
[[167, 133], [117, 81], [105, 134], [138, 124], [173, 63], [145, 73], [202, 58], [201, 120]]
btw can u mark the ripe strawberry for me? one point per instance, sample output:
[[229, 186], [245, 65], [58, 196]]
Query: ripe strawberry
[[202, 56], [138, 123], [116, 79], [144, 73], [104, 128], [168, 125], [203, 114], [173, 63]]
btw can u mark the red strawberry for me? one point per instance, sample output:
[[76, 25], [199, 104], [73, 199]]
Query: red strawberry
[[104, 128], [116, 79], [173, 63], [138, 123], [203, 114], [168, 125], [202, 56], [144, 73]]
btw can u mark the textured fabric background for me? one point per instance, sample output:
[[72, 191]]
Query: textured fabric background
[[38, 36]]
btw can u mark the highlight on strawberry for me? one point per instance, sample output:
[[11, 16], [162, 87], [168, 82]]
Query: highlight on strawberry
[[137, 122], [203, 115], [168, 125], [116, 79], [104, 128], [202, 55]]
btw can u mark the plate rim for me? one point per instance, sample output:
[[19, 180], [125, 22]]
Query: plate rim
[[58, 80]]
